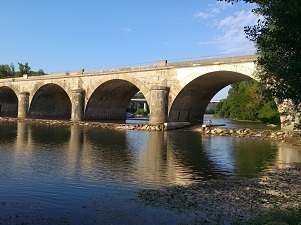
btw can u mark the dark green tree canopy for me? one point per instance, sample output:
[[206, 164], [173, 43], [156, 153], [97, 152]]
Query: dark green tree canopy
[[278, 40], [246, 102]]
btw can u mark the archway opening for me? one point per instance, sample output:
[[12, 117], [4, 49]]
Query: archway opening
[[8, 102], [137, 107], [110, 100], [191, 102], [50, 101]]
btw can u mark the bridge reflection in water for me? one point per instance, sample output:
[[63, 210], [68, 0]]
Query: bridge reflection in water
[[140, 156]]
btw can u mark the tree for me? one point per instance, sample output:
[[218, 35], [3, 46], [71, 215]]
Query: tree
[[6, 71], [24, 69], [245, 102], [40, 72], [278, 40], [9, 71]]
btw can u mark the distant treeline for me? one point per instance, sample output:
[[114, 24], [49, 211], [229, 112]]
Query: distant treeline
[[211, 108], [247, 101], [10, 71]]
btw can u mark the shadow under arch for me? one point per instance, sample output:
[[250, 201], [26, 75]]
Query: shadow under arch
[[50, 101], [191, 102], [110, 99], [8, 102]]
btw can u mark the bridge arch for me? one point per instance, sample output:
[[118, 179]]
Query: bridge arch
[[108, 100], [40, 84], [8, 102], [50, 101], [190, 99], [126, 77]]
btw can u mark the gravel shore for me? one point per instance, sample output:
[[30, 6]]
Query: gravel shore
[[232, 199]]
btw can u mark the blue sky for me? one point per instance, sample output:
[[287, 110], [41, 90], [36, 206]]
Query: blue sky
[[65, 35]]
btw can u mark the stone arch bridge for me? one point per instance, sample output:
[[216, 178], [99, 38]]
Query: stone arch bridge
[[175, 92]]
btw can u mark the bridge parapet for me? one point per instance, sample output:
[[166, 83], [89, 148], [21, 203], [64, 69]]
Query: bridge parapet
[[217, 61]]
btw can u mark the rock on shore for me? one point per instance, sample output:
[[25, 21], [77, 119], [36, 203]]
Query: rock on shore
[[116, 126], [292, 137]]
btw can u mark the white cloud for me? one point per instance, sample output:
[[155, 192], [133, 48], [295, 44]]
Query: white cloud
[[207, 42], [239, 19], [232, 38], [212, 11], [126, 30], [203, 15]]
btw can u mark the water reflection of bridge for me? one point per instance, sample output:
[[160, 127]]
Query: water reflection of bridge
[[148, 157]]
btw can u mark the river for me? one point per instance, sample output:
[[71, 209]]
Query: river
[[56, 169]]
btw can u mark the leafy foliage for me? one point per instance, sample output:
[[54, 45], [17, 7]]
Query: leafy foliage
[[9, 70], [245, 102], [278, 39]]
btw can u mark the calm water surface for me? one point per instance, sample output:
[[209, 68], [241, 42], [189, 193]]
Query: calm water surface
[[62, 167]]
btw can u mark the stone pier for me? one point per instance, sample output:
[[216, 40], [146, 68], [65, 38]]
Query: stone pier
[[158, 105], [77, 102], [23, 105]]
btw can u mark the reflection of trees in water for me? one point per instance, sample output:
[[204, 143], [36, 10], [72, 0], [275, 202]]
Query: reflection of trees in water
[[246, 157], [253, 156]]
